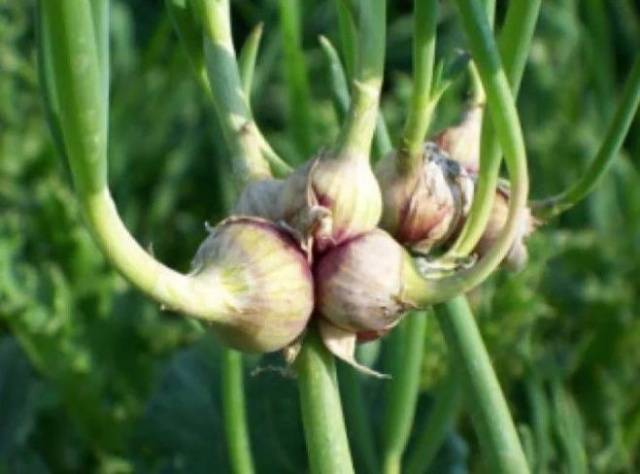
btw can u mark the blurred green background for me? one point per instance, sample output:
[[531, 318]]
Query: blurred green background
[[95, 378]]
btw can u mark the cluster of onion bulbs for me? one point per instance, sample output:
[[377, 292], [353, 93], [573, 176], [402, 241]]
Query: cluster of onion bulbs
[[333, 241]]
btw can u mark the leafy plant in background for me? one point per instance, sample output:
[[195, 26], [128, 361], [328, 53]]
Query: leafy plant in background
[[402, 391]]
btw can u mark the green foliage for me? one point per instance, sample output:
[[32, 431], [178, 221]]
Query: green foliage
[[93, 377]]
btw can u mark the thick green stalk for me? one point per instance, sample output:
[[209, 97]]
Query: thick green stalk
[[68, 29], [440, 420], [300, 116], [357, 132], [324, 428], [348, 37], [514, 43], [505, 117], [341, 98], [232, 106], [247, 65], [479, 96], [609, 149], [234, 412], [489, 410], [406, 348], [421, 105], [358, 418], [190, 35]]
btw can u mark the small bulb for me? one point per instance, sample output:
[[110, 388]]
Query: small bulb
[[462, 141], [360, 284], [424, 207], [517, 257], [268, 277], [331, 200]]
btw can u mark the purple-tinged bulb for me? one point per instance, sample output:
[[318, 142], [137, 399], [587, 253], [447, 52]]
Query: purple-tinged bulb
[[424, 207], [360, 283], [325, 202], [268, 278], [518, 255]]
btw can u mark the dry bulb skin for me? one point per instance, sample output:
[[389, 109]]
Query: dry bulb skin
[[265, 270], [462, 141], [325, 202], [425, 206], [518, 255], [261, 199], [332, 200]]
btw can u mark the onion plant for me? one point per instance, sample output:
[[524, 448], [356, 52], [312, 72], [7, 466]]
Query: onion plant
[[328, 251]]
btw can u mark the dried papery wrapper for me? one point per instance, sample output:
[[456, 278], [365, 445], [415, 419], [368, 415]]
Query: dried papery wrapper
[[325, 202], [462, 141], [330, 200], [423, 208], [342, 344], [268, 277], [360, 284], [518, 255], [261, 199]]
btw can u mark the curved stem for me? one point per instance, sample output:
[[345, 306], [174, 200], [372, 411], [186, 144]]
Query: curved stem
[[234, 413], [489, 410], [78, 84], [174, 290], [514, 43], [232, 106], [322, 417], [610, 147], [357, 133], [505, 117], [421, 105], [190, 35], [406, 346], [441, 419], [479, 97]]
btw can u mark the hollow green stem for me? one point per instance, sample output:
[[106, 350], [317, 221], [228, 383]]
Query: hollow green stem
[[357, 418], [190, 35], [173, 290], [422, 104], [404, 362], [300, 116], [609, 149], [234, 412], [514, 43], [69, 32], [348, 37], [357, 132], [489, 410], [479, 96], [322, 417], [505, 117], [441, 419], [232, 106], [340, 97]]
